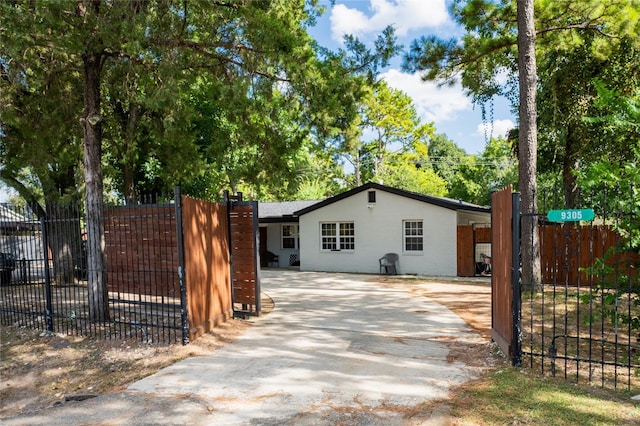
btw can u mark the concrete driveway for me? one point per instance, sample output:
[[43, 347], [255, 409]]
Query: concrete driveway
[[337, 348]]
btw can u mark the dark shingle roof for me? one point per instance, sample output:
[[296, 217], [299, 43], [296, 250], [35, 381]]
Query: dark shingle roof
[[277, 211], [446, 203]]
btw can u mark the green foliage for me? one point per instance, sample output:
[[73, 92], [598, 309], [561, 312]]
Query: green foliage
[[211, 94], [40, 140], [476, 176], [617, 188], [388, 142], [567, 142], [620, 180], [445, 156], [410, 170], [575, 42], [613, 290]]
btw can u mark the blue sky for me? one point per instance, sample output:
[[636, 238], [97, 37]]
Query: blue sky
[[448, 108]]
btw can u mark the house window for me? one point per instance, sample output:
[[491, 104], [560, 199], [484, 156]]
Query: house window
[[372, 196], [289, 236], [337, 236], [413, 235]]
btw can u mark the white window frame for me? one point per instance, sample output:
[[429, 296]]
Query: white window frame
[[337, 236], [415, 232], [294, 234]]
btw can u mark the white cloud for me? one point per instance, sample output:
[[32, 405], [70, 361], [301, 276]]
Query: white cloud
[[497, 128], [347, 21], [432, 103], [404, 15]]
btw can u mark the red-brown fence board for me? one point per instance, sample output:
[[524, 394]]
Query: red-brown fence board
[[465, 261], [206, 245], [140, 248], [567, 250], [482, 235], [244, 273], [501, 250]]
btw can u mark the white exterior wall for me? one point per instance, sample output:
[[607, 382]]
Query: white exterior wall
[[379, 230], [274, 244]]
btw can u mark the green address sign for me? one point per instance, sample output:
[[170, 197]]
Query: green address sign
[[571, 215]]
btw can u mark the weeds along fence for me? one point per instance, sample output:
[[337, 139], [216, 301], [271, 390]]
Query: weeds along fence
[[581, 320], [147, 249]]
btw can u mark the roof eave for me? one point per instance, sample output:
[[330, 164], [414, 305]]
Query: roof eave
[[451, 205]]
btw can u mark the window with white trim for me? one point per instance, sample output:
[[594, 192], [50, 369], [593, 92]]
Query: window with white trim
[[337, 236], [413, 236], [289, 234]]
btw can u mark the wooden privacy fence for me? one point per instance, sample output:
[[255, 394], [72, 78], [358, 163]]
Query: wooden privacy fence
[[168, 269], [244, 237], [147, 245], [141, 250], [568, 250]]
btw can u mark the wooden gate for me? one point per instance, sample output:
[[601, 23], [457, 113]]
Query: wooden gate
[[504, 300], [469, 258], [206, 264], [245, 259]]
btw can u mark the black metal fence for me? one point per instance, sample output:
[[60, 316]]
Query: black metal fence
[[43, 272], [581, 318]]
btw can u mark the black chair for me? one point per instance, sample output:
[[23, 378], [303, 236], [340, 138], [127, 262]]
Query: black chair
[[388, 263], [273, 258], [7, 265]]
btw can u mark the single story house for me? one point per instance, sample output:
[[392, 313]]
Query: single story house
[[279, 236], [351, 231]]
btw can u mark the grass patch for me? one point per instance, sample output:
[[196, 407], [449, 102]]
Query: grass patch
[[516, 397]]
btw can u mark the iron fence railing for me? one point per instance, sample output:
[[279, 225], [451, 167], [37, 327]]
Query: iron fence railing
[[581, 318], [43, 271]]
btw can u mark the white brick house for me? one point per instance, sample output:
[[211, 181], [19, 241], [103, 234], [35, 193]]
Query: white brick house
[[351, 231]]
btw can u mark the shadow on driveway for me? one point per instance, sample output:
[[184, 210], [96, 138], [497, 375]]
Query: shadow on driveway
[[337, 348]]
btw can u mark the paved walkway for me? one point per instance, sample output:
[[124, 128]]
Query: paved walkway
[[337, 348]]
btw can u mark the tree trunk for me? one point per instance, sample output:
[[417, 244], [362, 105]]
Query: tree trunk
[[65, 242], [92, 125], [63, 224], [528, 142], [569, 179], [129, 123]]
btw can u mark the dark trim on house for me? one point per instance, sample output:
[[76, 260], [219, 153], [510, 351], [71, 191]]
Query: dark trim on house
[[283, 219], [446, 203]]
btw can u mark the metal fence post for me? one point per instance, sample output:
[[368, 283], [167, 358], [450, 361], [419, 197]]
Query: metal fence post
[[184, 309], [516, 343], [229, 203], [47, 276]]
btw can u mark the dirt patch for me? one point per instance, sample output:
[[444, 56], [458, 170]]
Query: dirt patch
[[41, 369], [470, 300]]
